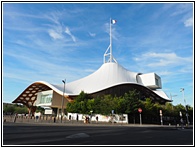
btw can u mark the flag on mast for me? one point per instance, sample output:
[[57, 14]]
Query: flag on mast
[[113, 21]]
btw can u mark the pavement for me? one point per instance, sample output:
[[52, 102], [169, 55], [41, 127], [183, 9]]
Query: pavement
[[9, 120]]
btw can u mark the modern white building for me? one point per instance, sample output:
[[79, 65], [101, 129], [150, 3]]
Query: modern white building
[[110, 78]]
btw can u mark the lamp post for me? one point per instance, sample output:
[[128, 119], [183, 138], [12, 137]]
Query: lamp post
[[91, 114], [64, 81], [182, 90], [171, 98], [161, 115]]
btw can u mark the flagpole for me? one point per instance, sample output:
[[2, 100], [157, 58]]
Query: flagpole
[[110, 40]]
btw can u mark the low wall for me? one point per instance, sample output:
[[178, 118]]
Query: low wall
[[101, 118]]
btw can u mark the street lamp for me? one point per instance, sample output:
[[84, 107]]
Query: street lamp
[[64, 81], [182, 90], [171, 98]]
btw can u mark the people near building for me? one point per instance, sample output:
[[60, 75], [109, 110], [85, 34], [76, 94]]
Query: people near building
[[182, 123], [77, 117], [69, 117], [96, 118], [54, 119], [37, 118], [15, 116], [84, 119], [87, 119]]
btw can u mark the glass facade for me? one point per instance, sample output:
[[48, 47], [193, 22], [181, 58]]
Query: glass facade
[[157, 81], [46, 99]]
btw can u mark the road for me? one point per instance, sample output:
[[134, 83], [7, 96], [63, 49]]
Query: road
[[53, 134]]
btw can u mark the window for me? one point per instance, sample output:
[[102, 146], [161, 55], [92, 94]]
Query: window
[[46, 99], [157, 81]]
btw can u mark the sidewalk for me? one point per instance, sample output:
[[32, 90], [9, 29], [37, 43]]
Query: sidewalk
[[50, 121]]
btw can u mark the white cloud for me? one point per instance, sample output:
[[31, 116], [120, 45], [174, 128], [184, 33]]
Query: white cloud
[[152, 59], [188, 22], [165, 73], [35, 64], [115, 34], [92, 34], [90, 70], [67, 30], [54, 34], [181, 8]]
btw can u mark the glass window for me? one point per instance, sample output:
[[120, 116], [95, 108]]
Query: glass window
[[46, 99], [157, 81]]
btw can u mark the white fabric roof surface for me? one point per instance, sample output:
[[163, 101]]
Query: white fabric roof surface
[[108, 75]]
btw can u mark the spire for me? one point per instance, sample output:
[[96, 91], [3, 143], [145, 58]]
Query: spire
[[108, 53]]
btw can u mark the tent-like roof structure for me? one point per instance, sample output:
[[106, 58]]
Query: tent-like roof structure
[[110, 76]]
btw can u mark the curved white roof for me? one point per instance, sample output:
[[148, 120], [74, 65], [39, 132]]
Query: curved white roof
[[107, 76]]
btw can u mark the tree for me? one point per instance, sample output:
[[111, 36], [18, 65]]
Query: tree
[[128, 104], [82, 97], [106, 105], [79, 105], [9, 109], [15, 108], [132, 102], [120, 105], [40, 109], [97, 105], [90, 104]]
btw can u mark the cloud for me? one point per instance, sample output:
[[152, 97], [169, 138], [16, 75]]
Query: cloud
[[57, 27], [164, 59], [90, 70], [115, 34], [92, 34], [165, 73], [67, 30], [54, 34], [34, 65], [188, 22], [163, 63], [181, 8]]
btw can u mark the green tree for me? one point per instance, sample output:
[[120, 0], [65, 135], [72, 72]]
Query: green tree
[[79, 105], [21, 110], [82, 97], [132, 102], [120, 105], [40, 109], [106, 105], [15, 108], [97, 105], [9, 109], [129, 104], [90, 104]]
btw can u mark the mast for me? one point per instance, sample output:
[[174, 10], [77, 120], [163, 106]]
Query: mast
[[108, 52], [110, 40]]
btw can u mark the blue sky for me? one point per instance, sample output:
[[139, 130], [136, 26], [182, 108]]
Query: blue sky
[[54, 41]]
